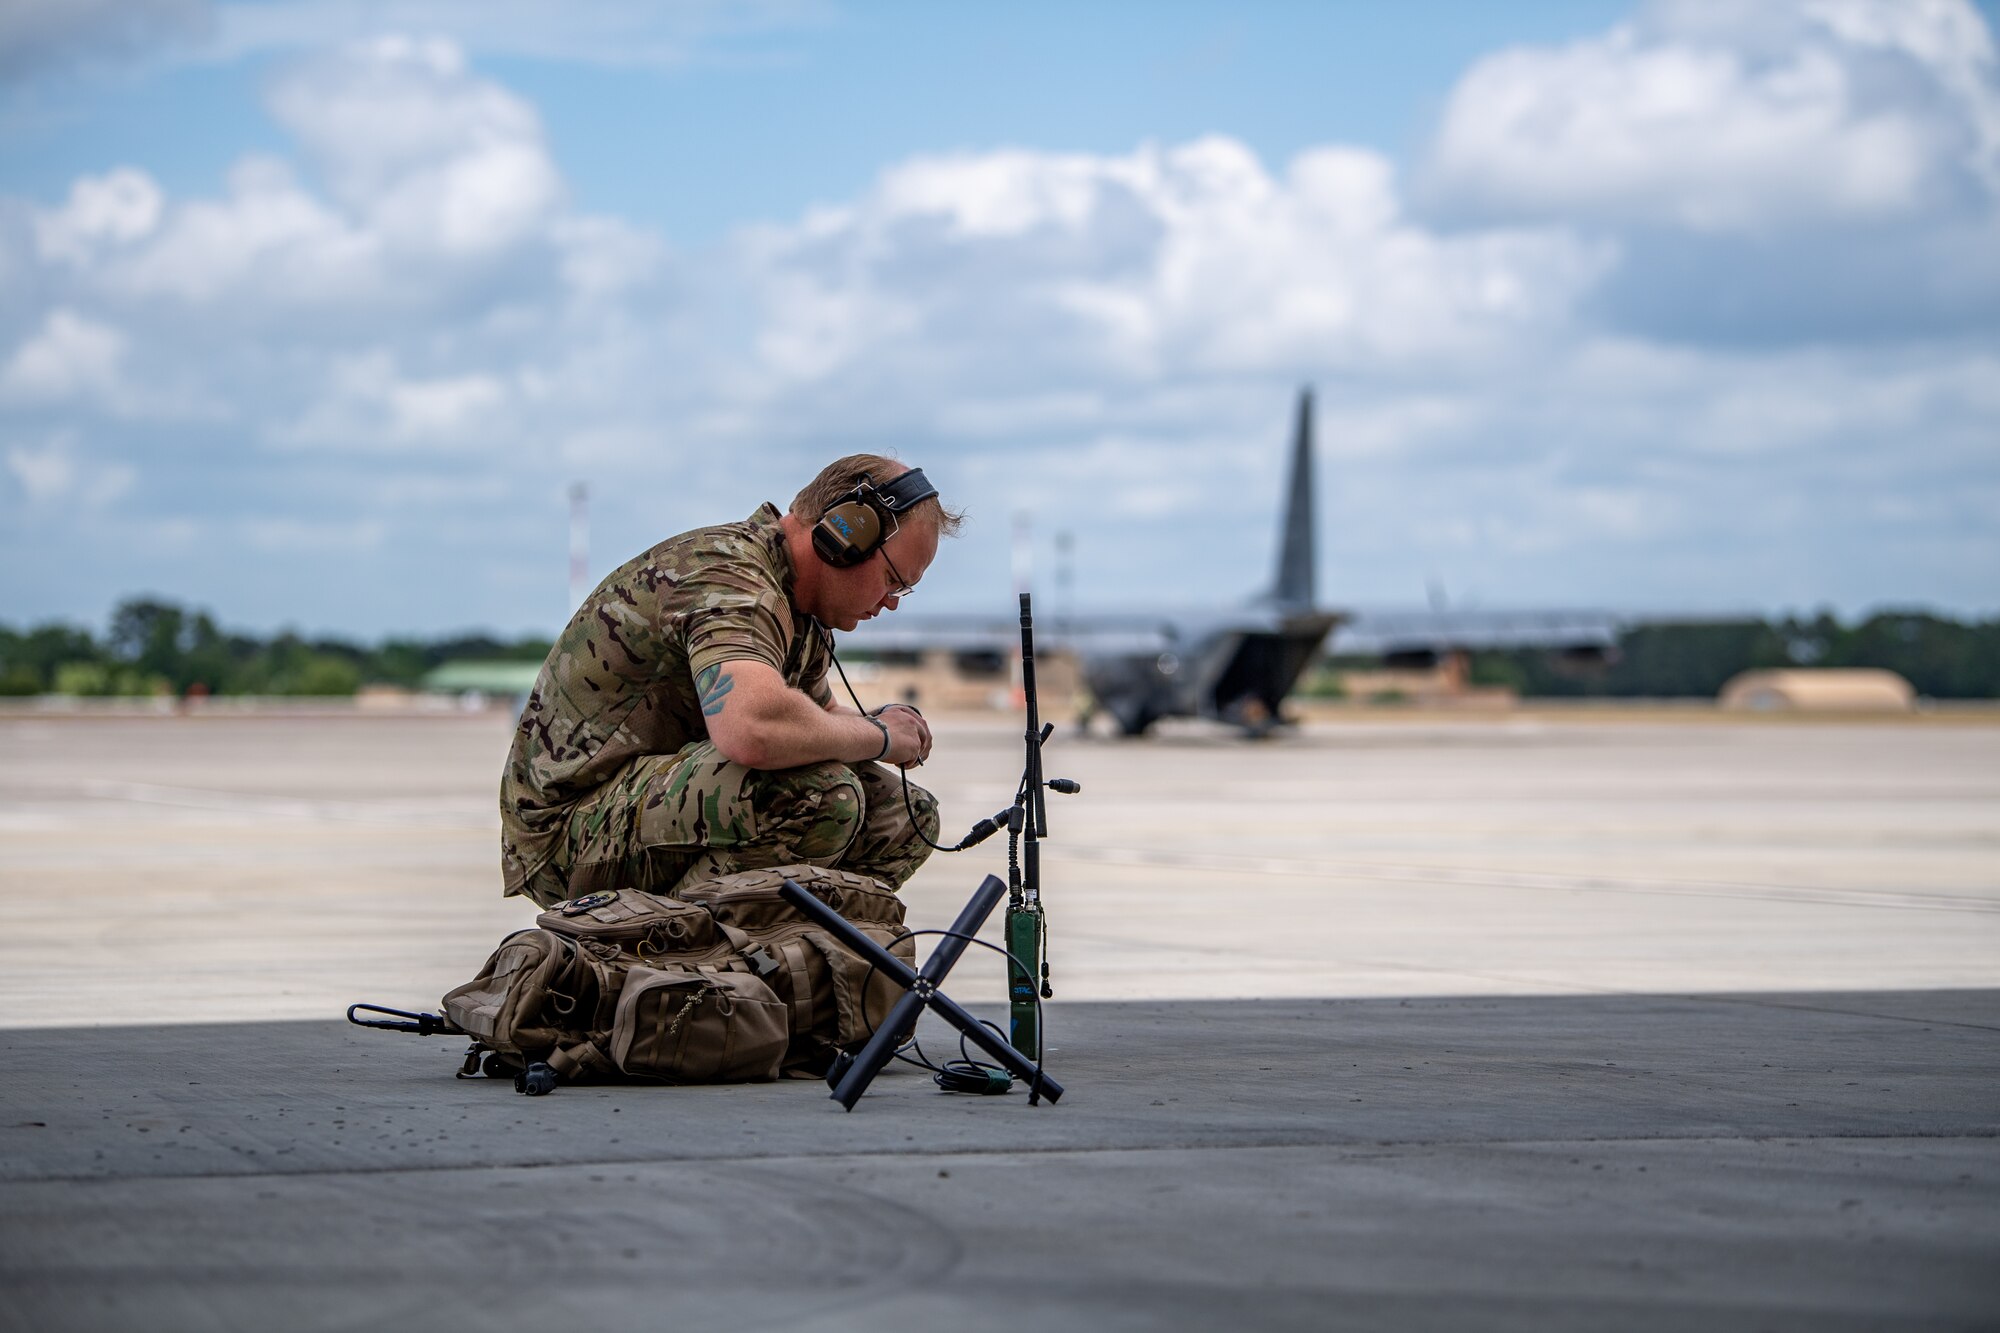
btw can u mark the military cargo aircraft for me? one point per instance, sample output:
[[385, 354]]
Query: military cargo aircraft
[[1237, 665]]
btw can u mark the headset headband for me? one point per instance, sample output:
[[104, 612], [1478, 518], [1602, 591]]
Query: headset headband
[[900, 493]]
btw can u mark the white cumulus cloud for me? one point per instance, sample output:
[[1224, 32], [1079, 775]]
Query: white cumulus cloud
[[427, 154], [72, 356], [56, 471], [368, 405], [1188, 259], [265, 245], [114, 209], [436, 182], [1722, 117]]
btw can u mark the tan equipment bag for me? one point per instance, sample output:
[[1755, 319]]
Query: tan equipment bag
[[723, 983]]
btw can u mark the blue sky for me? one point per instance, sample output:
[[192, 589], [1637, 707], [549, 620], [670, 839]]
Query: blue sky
[[310, 312]]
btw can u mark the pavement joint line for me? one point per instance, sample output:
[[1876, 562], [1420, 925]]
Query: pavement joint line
[[1755, 1002], [939, 1154], [1544, 880]]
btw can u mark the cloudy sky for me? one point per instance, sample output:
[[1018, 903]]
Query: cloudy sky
[[310, 313]]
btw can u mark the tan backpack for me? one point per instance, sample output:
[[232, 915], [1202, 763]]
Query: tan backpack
[[723, 983]]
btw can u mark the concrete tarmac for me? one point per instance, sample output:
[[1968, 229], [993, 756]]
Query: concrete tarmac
[[1538, 1023]]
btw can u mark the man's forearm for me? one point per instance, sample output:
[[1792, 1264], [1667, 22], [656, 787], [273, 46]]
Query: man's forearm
[[756, 720]]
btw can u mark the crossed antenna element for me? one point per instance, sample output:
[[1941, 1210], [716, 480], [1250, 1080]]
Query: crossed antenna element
[[851, 1075]]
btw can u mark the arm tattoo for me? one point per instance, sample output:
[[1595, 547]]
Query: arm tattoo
[[715, 685]]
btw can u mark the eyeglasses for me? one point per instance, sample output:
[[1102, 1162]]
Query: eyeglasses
[[902, 587]]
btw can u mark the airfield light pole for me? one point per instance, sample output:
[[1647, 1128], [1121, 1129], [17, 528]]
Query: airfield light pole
[[579, 544], [1065, 580]]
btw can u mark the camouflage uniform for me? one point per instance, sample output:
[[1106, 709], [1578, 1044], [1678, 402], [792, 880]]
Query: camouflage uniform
[[612, 781]]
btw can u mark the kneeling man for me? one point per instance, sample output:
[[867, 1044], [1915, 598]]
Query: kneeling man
[[683, 725]]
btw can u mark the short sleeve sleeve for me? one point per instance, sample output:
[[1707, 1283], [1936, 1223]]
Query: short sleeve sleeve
[[735, 626]]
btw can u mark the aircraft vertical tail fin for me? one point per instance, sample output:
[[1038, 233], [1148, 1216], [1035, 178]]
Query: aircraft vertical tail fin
[[1294, 583]]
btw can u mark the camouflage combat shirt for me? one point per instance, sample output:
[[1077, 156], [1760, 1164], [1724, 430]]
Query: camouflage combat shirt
[[620, 682]]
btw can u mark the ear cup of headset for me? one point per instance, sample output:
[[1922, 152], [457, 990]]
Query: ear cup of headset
[[848, 534]]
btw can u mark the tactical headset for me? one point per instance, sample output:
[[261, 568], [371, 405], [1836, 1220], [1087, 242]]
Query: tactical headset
[[861, 520]]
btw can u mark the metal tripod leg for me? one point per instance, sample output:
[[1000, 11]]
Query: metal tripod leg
[[920, 992]]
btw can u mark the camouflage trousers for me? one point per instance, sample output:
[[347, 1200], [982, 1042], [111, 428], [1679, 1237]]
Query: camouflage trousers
[[694, 814]]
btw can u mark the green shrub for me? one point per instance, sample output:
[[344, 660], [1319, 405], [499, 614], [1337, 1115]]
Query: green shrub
[[100, 680], [317, 675]]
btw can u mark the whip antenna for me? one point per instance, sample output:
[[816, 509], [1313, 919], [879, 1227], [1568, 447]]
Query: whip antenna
[[1027, 925]]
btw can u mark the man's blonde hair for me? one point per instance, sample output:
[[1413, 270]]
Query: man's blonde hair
[[842, 475]]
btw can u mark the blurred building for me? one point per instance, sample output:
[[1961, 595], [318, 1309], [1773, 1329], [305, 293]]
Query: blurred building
[[1826, 690]]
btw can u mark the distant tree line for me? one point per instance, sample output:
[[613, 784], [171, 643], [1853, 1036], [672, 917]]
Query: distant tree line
[[1941, 658], [157, 647]]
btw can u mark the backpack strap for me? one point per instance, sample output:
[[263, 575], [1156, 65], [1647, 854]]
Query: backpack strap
[[765, 960], [564, 978], [762, 961], [793, 954], [853, 1023], [569, 1061]]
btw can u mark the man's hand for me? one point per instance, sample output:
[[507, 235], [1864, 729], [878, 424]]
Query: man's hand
[[909, 735]]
